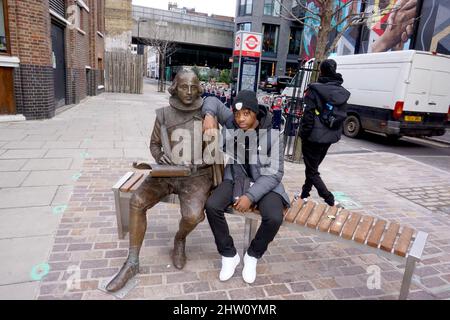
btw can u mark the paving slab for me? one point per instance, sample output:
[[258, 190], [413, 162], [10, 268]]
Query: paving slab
[[24, 145], [65, 153], [29, 221], [47, 164], [12, 179], [11, 165], [19, 291], [27, 196], [20, 255], [62, 195], [23, 154], [62, 144], [51, 178]]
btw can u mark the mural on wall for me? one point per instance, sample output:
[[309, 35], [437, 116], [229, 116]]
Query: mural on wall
[[398, 26], [312, 24], [310, 30], [433, 33], [393, 25]]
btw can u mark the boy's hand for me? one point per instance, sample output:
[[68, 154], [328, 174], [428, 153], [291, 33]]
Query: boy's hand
[[209, 123], [242, 204]]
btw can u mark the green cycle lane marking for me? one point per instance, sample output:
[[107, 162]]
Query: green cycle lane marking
[[345, 200], [39, 271], [59, 209], [76, 176]]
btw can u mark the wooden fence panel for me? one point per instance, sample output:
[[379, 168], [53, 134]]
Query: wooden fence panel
[[124, 72]]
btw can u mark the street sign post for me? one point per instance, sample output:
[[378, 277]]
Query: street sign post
[[246, 60]]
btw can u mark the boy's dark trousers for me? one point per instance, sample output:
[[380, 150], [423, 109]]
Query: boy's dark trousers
[[270, 206], [313, 155]]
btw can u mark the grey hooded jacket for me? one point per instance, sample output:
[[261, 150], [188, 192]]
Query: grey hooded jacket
[[265, 172]]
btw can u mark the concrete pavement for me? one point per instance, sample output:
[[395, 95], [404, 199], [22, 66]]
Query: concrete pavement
[[58, 219]]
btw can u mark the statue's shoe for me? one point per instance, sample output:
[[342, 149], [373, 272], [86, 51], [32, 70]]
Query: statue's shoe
[[179, 255], [128, 271]]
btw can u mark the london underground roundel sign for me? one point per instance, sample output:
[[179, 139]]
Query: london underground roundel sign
[[251, 42], [247, 44]]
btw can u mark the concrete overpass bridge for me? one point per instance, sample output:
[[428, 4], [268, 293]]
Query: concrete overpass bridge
[[201, 40]]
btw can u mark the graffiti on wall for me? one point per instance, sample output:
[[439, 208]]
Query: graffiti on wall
[[392, 25], [433, 32]]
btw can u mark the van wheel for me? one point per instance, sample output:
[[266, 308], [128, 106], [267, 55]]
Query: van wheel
[[352, 127]]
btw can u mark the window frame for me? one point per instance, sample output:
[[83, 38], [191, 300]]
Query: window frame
[[276, 40], [100, 16], [7, 36], [272, 7], [245, 5], [244, 23], [296, 29]]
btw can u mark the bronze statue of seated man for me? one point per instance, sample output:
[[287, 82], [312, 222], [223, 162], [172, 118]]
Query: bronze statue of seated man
[[181, 117]]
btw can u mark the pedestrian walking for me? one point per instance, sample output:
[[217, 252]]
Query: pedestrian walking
[[321, 125]]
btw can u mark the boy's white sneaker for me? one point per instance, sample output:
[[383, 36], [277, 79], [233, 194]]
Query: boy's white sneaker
[[228, 267], [249, 270]]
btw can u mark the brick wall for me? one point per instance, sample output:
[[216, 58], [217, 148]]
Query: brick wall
[[30, 37], [29, 26]]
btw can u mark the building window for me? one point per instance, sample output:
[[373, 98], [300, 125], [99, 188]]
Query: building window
[[100, 16], [270, 38], [291, 69], [247, 26], [272, 8], [295, 41], [245, 7], [3, 27]]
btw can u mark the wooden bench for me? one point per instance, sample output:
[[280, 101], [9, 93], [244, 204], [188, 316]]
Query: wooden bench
[[390, 240]]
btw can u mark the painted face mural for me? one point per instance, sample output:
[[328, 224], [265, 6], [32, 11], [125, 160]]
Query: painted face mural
[[392, 25]]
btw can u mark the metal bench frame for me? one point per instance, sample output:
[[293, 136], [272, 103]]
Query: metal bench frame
[[122, 203]]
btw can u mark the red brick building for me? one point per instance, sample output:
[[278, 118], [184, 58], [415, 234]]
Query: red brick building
[[51, 54]]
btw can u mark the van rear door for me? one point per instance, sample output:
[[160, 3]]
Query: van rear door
[[428, 88]]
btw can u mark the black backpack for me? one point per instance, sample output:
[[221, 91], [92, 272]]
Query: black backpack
[[328, 117]]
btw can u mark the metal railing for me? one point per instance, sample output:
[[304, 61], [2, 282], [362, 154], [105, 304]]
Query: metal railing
[[306, 74], [181, 18]]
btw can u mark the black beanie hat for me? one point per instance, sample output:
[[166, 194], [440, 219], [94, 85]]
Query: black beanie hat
[[246, 99], [328, 68]]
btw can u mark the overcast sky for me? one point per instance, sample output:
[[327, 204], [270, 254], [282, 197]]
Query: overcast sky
[[222, 7]]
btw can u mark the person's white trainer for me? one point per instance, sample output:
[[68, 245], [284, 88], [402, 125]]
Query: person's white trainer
[[249, 270], [228, 267]]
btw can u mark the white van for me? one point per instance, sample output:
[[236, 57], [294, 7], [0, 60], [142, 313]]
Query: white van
[[398, 93]]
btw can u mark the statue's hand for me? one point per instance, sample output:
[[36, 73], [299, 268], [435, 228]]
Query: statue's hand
[[164, 159]]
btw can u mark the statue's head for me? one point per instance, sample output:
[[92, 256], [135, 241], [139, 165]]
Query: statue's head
[[186, 87]]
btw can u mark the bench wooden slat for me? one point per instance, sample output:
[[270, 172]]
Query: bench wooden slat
[[127, 185], [304, 213], [389, 237], [404, 241], [338, 223], [326, 222], [363, 229], [138, 183], [316, 215], [350, 226], [377, 233], [293, 211]]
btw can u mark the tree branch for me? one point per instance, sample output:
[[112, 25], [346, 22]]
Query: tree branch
[[301, 5], [336, 40]]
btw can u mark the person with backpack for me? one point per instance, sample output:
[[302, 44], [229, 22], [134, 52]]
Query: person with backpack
[[321, 125]]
